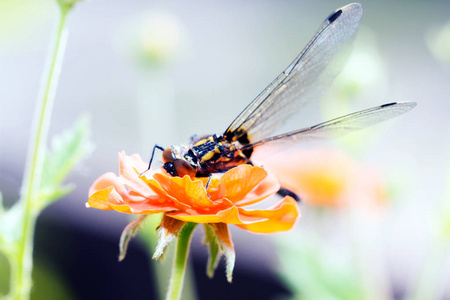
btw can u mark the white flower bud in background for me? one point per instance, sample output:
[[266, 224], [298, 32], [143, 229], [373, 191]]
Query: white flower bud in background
[[154, 39], [154, 42], [67, 4], [438, 41], [160, 36]]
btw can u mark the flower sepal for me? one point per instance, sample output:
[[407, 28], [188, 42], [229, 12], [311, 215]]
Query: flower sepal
[[129, 232], [218, 240], [214, 251], [167, 231]]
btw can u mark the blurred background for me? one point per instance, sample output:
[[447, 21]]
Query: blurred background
[[148, 72]]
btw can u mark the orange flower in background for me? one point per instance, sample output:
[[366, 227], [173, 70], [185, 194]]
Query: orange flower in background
[[187, 200], [326, 177]]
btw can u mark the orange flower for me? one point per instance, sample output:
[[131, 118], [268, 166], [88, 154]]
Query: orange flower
[[326, 177], [187, 200]]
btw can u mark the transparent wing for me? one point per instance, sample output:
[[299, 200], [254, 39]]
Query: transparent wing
[[341, 125], [306, 78]]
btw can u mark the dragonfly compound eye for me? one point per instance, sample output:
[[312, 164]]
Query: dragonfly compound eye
[[168, 155], [170, 168], [182, 168]]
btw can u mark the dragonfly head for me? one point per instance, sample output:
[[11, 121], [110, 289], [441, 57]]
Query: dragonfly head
[[176, 166]]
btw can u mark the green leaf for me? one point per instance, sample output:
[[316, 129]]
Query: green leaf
[[47, 281], [51, 194], [214, 250], [67, 150], [127, 234]]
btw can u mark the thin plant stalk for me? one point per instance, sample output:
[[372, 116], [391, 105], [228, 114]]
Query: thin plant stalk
[[180, 260], [21, 267]]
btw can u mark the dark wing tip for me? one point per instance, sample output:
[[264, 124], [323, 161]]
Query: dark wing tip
[[354, 10], [388, 104], [405, 105], [334, 16]]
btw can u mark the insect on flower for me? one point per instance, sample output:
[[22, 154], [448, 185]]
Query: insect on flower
[[305, 79]]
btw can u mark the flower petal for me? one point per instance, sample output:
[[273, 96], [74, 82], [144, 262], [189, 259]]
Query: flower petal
[[230, 215], [217, 190], [139, 207], [112, 180], [266, 188], [107, 180], [280, 217], [240, 180], [109, 198], [164, 195], [99, 199], [129, 169], [185, 190]]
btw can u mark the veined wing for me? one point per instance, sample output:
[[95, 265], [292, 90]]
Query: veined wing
[[341, 125], [306, 78]]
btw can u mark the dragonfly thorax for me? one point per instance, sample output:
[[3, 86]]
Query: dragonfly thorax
[[202, 157]]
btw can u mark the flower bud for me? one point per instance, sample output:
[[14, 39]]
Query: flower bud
[[67, 4]]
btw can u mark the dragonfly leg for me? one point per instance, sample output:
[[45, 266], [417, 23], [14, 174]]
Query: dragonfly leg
[[151, 158], [285, 192], [205, 175], [209, 180]]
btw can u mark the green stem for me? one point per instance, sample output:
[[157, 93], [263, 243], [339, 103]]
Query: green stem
[[21, 281], [179, 264]]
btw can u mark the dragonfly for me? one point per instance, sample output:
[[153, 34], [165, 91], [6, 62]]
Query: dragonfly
[[304, 80]]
